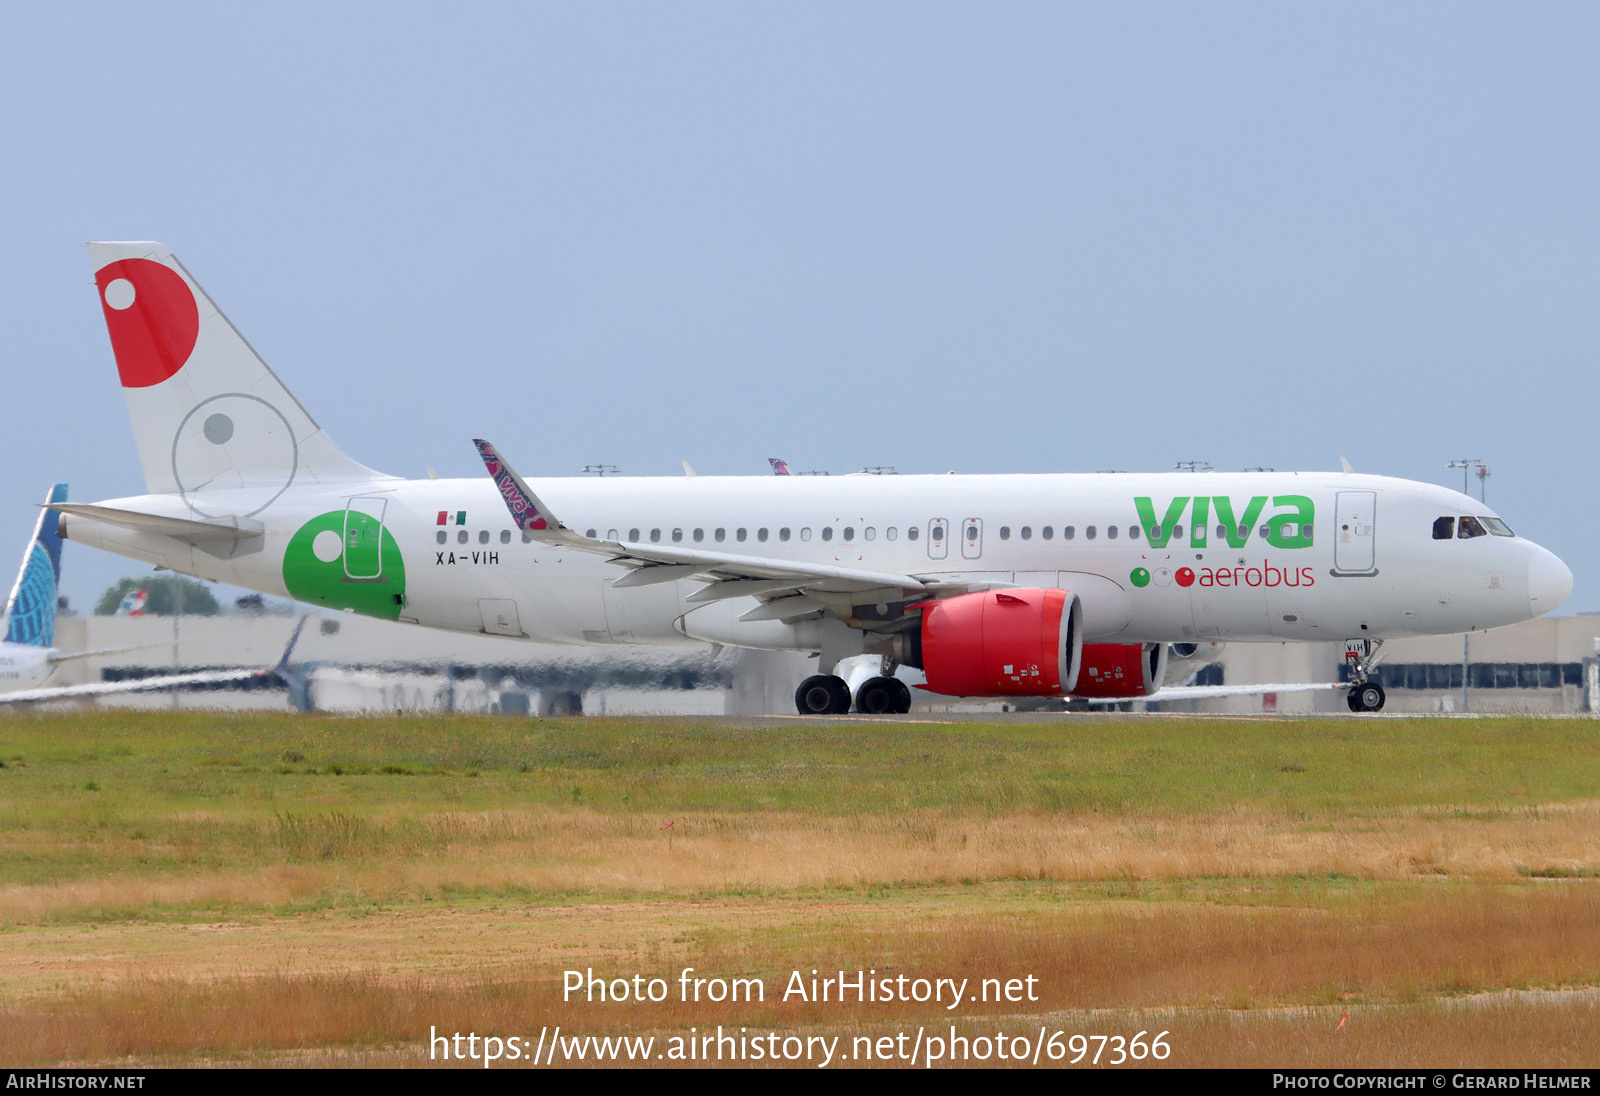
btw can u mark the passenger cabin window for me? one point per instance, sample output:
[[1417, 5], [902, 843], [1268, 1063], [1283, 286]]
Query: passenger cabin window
[[720, 535], [1026, 533], [611, 534], [783, 534], [805, 532], [483, 536], [461, 537], [442, 537], [1068, 532], [1005, 532], [1111, 532], [891, 532], [739, 535], [633, 535], [869, 533], [912, 532], [1088, 534], [1133, 532], [655, 536], [1047, 532], [699, 535], [1444, 528], [677, 536], [761, 535], [1471, 527], [1177, 531], [849, 532], [827, 532]]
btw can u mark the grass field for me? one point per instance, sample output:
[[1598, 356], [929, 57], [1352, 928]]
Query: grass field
[[304, 889]]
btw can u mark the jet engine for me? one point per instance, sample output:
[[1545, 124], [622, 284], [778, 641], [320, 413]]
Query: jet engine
[[1191, 650], [1121, 670], [1023, 642]]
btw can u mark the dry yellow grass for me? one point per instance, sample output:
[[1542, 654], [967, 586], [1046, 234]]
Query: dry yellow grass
[[583, 850], [152, 988]]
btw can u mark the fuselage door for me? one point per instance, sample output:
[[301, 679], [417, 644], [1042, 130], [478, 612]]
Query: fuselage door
[[500, 616], [938, 538], [1354, 532], [972, 538], [363, 538]]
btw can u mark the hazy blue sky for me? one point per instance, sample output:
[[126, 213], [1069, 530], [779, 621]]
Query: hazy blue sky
[[983, 237]]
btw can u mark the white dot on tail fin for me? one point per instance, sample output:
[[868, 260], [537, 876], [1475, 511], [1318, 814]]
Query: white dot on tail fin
[[119, 293], [327, 545]]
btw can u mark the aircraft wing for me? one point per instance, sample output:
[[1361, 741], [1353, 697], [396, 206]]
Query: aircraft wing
[[1204, 692], [143, 685], [151, 684], [57, 657], [730, 574]]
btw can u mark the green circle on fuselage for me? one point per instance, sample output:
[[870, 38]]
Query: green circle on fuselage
[[366, 574]]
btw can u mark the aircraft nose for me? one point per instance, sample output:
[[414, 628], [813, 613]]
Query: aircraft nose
[[1549, 582]]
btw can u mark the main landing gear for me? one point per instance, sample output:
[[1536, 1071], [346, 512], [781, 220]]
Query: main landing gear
[[1365, 695], [827, 694], [822, 694], [883, 696]]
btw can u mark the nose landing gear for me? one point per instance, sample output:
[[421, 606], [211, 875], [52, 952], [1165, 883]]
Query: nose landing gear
[[1366, 698], [1365, 694]]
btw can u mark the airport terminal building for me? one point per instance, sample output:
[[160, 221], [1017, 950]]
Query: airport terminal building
[[348, 663]]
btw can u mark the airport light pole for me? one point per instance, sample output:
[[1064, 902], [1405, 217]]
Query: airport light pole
[[177, 615]]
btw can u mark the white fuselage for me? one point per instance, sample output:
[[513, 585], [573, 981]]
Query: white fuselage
[[22, 665], [1322, 556]]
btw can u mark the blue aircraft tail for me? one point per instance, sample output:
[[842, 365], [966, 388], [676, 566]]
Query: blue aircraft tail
[[31, 609]]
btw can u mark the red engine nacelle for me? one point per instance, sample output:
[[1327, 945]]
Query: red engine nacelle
[[1121, 670], [1003, 643]]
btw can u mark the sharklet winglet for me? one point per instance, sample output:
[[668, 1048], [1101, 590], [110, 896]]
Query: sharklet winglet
[[531, 515]]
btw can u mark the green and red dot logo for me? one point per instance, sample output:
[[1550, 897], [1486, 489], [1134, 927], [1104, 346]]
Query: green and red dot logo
[[1161, 576]]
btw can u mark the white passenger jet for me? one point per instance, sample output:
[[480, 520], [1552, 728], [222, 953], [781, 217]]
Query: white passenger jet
[[992, 585]]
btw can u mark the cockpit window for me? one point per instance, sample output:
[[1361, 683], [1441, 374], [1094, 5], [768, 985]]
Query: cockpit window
[[1471, 527], [1444, 528], [1496, 526]]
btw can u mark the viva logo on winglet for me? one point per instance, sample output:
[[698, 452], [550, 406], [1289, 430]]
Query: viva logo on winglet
[[1288, 526], [346, 559]]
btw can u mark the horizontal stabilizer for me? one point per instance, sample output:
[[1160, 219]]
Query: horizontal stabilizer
[[184, 529]]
